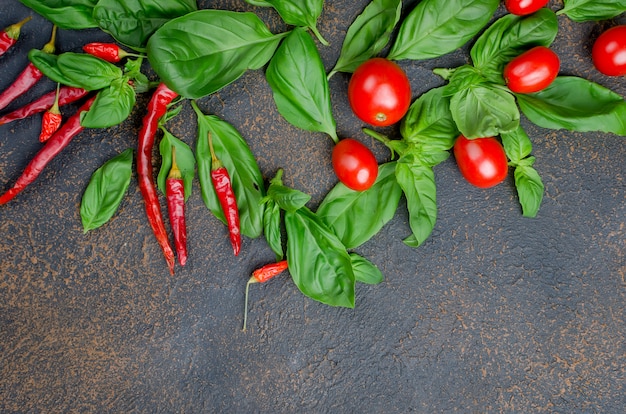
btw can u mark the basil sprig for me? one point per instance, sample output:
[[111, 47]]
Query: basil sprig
[[528, 183], [203, 51], [297, 77], [431, 29], [368, 34], [247, 181], [106, 190], [589, 10]]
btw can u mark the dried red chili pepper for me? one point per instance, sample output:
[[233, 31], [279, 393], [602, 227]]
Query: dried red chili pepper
[[157, 107], [67, 95], [175, 194], [10, 34], [57, 142], [106, 51], [262, 275], [226, 196], [29, 76], [51, 120]]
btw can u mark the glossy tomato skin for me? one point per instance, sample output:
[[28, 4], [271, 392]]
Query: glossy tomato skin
[[609, 52], [354, 164], [482, 161], [379, 92], [532, 71], [524, 7]]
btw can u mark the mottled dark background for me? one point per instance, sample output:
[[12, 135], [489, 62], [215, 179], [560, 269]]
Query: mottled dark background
[[494, 313]]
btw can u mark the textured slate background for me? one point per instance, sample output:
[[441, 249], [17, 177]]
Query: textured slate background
[[494, 313]]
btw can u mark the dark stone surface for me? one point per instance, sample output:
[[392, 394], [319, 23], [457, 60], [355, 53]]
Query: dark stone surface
[[494, 313]]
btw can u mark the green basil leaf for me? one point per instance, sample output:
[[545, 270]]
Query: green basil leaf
[[259, 3], [575, 104], [418, 184], [105, 190], [517, 145], [112, 105], [430, 121], [297, 77], [368, 34], [184, 160], [247, 181], [483, 111], [203, 51], [586, 10], [356, 216], [529, 189], [47, 63], [318, 262], [509, 37], [271, 228], [365, 271], [66, 14], [302, 13], [86, 71], [132, 22], [431, 30]]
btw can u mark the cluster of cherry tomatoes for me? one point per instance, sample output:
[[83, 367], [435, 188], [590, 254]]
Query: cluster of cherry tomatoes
[[379, 93]]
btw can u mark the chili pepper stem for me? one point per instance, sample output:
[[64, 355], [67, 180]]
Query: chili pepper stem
[[215, 162], [174, 173], [50, 47], [245, 309], [14, 30]]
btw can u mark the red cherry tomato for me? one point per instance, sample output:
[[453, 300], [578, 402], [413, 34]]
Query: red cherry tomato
[[482, 161], [609, 52], [532, 71], [354, 164], [379, 92], [524, 7]]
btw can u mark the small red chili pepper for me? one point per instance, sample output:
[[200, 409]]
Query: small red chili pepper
[[106, 51], [10, 34], [157, 107], [67, 95], [175, 194], [226, 196], [28, 78], [57, 142], [51, 120], [262, 275]]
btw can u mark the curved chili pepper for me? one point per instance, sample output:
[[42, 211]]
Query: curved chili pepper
[[51, 120], [67, 95], [53, 146], [226, 196], [175, 194], [29, 77], [262, 275], [157, 107], [10, 34], [106, 51]]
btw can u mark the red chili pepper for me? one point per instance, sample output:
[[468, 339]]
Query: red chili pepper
[[29, 77], [226, 196], [67, 95], [53, 146], [157, 107], [106, 51], [51, 120], [10, 34], [262, 275], [175, 193]]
